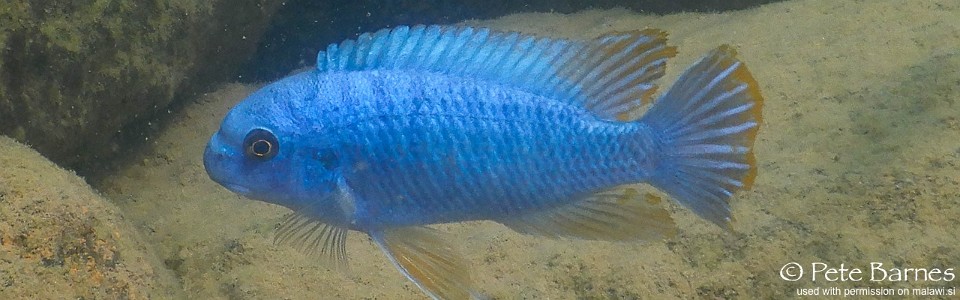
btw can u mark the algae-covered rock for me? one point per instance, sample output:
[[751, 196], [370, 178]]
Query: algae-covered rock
[[73, 73], [61, 240]]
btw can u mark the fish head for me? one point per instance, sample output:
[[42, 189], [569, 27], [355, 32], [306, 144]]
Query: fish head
[[257, 150]]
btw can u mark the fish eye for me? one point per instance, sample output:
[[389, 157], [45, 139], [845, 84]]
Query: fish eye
[[261, 144]]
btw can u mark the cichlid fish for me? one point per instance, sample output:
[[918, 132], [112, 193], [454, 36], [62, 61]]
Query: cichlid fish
[[412, 126]]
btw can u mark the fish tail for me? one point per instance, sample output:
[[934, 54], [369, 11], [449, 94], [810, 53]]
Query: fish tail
[[705, 126]]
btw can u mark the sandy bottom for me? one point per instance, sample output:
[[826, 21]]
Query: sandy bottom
[[858, 155]]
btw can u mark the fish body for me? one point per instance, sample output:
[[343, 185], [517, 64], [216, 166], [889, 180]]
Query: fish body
[[408, 127], [426, 148]]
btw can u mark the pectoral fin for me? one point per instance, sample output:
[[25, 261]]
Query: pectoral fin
[[313, 237], [426, 259], [618, 214], [305, 230]]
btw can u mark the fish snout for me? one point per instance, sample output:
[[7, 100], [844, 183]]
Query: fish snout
[[220, 163], [215, 159]]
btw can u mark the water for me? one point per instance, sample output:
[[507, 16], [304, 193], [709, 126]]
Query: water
[[859, 169]]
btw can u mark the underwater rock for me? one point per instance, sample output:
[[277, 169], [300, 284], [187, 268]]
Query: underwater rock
[[74, 73], [60, 239]]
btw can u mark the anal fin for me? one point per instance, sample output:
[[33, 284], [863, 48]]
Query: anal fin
[[421, 254], [618, 214]]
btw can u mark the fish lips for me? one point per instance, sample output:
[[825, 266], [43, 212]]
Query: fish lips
[[219, 165]]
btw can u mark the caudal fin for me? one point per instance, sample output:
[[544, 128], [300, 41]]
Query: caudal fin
[[706, 124]]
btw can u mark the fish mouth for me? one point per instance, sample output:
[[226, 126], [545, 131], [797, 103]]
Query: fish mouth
[[236, 188], [233, 187], [216, 176], [214, 163]]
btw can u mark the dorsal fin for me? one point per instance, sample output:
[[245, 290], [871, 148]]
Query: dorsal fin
[[610, 76]]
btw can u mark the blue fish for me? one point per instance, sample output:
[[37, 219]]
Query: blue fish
[[413, 126]]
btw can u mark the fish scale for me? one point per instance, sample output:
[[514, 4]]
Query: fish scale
[[499, 122]]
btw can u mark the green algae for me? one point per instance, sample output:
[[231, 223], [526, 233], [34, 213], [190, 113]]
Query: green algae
[[74, 73]]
